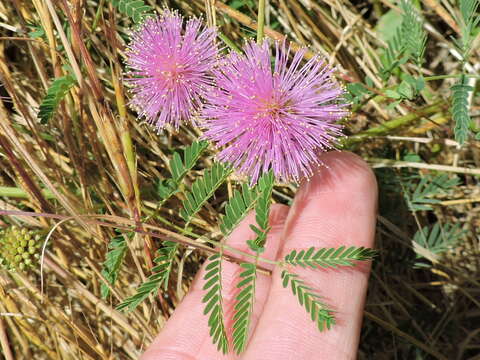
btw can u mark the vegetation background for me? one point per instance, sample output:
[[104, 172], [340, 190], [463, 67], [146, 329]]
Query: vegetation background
[[88, 166]]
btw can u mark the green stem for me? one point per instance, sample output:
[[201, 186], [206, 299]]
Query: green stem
[[441, 77], [261, 21], [229, 42], [388, 126], [97, 15], [15, 192]]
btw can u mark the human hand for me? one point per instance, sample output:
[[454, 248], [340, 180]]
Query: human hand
[[336, 207]]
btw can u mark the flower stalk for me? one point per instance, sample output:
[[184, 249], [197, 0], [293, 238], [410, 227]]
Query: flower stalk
[[261, 21]]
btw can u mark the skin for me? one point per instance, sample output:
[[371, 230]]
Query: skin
[[337, 206]]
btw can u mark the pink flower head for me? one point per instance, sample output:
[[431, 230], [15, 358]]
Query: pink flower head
[[273, 116], [171, 62]]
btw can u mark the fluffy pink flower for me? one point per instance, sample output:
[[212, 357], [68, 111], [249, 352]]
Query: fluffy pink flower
[[171, 62], [276, 116]]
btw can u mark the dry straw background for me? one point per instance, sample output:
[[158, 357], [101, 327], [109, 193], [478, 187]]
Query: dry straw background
[[80, 167]]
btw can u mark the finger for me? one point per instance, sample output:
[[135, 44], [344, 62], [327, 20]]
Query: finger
[[186, 334], [336, 207]]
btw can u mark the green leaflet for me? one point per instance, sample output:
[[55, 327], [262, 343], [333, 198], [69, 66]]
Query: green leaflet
[[111, 266], [408, 42], [165, 259], [460, 108], [238, 207], [421, 196], [244, 306], [308, 299], [392, 58], [179, 167], [329, 257], [262, 212], [202, 190], [415, 37], [213, 301], [243, 201], [468, 22], [135, 9], [436, 240], [160, 276], [55, 94]]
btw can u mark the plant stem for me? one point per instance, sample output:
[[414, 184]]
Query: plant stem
[[440, 77], [388, 126], [15, 192], [260, 21], [98, 14]]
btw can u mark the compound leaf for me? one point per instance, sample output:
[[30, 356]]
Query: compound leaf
[[55, 94], [161, 274], [213, 301]]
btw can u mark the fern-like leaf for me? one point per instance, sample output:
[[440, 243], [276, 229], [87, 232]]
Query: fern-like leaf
[[179, 168], [111, 266], [165, 260], [421, 196], [238, 207], [191, 155], [202, 190], [329, 257], [262, 211], [468, 21], [213, 301], [460, 92], [413, 33], [408, 42], [55, 94], [244, 306], [393, 55], [135, 9], [161, 274], [319, 312], [430, 242]]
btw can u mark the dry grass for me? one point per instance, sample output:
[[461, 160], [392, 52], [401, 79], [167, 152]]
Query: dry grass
[[94, 158]]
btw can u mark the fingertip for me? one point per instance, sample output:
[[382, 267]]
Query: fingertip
[[337, 206], [339, 171]]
